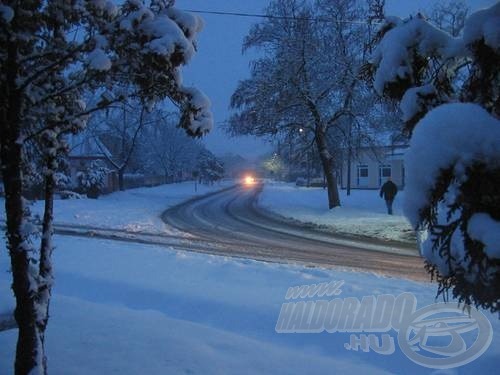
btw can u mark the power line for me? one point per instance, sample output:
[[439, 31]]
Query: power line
[[268, 16]]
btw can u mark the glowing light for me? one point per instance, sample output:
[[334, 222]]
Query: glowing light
[[249, 180]]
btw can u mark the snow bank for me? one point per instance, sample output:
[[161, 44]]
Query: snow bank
[[362, 213], [451, 135], [137, 309], [176, 312], [134, 210]]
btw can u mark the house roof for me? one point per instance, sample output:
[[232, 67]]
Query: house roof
[[399, 150], [87, 145]]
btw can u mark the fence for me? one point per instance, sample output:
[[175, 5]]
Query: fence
[[131, 181]]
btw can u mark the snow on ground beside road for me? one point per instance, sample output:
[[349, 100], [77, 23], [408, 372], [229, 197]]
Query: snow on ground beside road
[[362, 213], [134, 210], [139, 309]]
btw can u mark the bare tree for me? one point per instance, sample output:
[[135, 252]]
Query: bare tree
[[308, 78], [119, 130], [450, 16], [164, 148]]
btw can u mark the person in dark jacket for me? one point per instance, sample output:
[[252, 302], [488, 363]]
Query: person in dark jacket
[[388, 191]]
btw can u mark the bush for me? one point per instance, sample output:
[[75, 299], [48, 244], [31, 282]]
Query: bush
[[91, 181]]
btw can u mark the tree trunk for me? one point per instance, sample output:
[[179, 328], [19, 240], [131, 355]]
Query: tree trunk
[[121, 183], [28, 349], [309, 166], [29, 352], [349, 159], [328, 169], [325, 156], [46, 275]]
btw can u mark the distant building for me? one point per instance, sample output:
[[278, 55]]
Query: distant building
[[372, 166], [84, 149]]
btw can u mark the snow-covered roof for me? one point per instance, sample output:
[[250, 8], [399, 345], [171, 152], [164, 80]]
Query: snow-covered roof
[[399, 150], [385, 138], [86, 145]]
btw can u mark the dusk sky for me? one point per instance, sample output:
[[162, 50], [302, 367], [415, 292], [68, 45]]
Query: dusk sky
[[220, 64]]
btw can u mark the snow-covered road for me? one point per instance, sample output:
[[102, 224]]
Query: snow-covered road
[[231, 224], [228, 222]]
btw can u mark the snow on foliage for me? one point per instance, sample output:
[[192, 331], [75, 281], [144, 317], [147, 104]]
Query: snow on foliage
[[169, 32], [484, 24], [201, 118], [395, 54], [449, 97], [413, 101], [168, 39], [107, 7], [460, 141], [135, 17], [482, 227], [444, 265], [452, 135], [92, 180], [98, 60], [6, 12], [190, 24]]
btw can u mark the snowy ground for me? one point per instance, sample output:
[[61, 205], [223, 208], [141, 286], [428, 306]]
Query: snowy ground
[[129, 308], [362, 213], [137, 309], [135, 210]]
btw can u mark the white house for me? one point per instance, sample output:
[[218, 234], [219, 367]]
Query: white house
[[371, 167]]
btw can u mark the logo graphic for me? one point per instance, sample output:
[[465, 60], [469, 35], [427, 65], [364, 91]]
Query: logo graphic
[[433, 336], [439, 336]]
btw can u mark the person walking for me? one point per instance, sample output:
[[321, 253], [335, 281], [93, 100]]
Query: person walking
[[388, 191]]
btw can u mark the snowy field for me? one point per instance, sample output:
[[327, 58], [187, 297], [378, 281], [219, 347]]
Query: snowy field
[[122, 308], [362, 213], [134, 210]]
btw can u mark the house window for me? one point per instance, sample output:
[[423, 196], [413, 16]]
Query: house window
[[384, 173], [362, 175]]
